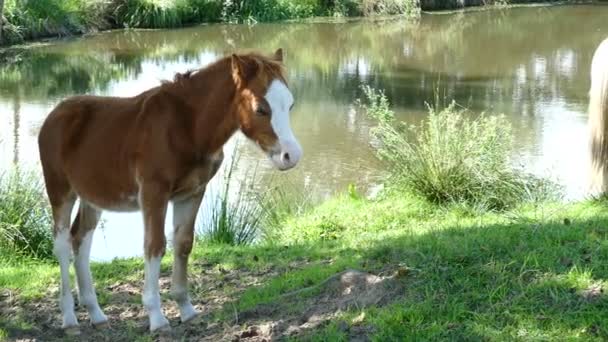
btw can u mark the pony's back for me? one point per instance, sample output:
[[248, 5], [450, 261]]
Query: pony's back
[[598, 118]]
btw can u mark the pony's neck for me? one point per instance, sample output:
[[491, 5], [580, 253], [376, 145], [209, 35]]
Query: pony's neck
[[212, 93]]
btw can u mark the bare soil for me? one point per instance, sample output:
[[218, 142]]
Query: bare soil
[[295, 314]]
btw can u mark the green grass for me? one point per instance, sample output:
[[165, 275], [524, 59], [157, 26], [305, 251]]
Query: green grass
[[519, 275], [25, 218], [515, 276]]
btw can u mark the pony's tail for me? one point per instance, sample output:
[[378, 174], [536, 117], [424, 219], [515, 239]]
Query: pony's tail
[[598, 119]]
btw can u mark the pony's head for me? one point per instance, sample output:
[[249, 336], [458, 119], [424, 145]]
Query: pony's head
[[263, 105]]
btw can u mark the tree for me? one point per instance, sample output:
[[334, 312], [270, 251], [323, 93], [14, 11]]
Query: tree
[[1, 18]]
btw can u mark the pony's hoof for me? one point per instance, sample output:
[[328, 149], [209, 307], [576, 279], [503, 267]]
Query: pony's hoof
[[73, 330], [165, 328], [195, 317], [101, 325]]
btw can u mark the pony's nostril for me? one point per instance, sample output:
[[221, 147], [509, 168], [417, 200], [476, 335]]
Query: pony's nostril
[[286, 156]]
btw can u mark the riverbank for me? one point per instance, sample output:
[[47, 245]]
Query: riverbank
[[27, 20], [530, 273], [33, 20]]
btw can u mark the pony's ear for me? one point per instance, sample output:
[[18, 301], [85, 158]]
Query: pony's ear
[[243, 70], [238, 72], [278, 55]]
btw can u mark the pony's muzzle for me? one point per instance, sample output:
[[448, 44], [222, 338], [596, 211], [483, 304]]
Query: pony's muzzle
[[285, 154]]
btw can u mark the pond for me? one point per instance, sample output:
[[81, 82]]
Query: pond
[[530, 63]]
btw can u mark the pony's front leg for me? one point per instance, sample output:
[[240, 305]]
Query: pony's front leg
[[184, 216], [153, 200]]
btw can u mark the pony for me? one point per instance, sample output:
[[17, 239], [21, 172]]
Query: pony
[[598, 118], [143, 152]]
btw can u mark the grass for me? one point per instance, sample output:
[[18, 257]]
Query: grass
[[25, 218], [49, 18], [530, 274], [232, 217], [453, 157]]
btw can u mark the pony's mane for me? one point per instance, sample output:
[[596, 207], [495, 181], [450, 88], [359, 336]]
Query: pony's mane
[[267, 65]]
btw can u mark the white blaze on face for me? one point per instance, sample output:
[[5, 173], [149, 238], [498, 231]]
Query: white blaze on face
[[287, 151]]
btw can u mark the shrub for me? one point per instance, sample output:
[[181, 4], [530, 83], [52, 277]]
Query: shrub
[[453, 158]]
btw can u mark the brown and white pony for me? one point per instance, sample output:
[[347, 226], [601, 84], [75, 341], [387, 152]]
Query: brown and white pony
[[142, 152], [598, 118]]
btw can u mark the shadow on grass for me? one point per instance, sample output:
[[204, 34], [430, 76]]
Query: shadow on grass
[[485, 282]]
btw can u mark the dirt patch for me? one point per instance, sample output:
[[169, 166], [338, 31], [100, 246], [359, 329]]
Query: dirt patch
[[299, 312], [293, 314]]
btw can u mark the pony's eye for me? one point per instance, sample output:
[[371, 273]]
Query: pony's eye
[[261, 111]]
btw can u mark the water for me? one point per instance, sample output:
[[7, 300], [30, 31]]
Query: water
[[532, 64]]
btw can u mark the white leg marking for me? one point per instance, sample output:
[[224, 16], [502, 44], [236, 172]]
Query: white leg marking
[[63, 251], [151, 295], [180, 294], [184, 214], [86, 290]]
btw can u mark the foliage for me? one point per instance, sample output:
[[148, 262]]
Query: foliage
[[163, 13], [26, 19], [25, 218], [452, 158], [43, 18]]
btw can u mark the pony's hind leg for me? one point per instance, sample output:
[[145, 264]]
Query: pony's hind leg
[[153, 199], [184, 215], [82, 239], [63, 249]]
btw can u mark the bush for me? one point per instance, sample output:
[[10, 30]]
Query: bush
[[25, 217], [452, 158]]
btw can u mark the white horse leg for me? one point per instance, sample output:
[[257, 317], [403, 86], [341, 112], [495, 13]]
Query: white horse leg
[[153, 202], [598, 119], [88, 219], [63, 250], [184, 216]]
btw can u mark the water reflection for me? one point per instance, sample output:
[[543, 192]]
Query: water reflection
[[534, 71]]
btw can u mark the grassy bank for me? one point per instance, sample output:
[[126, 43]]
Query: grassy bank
[[438, 255], [49, 18], [527, 274], [26, 20]]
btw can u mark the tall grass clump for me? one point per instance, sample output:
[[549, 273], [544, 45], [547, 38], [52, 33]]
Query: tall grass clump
[[453, 158], [25, 217], [281, 202], [232, 216]]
